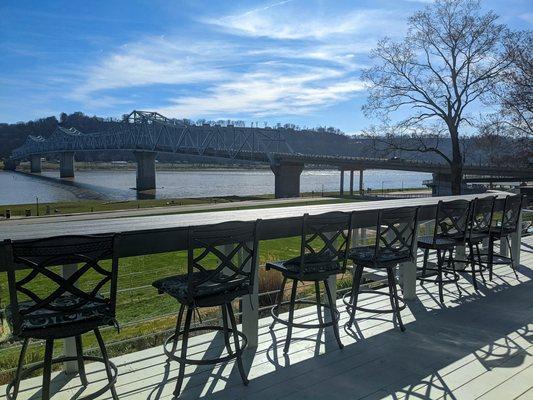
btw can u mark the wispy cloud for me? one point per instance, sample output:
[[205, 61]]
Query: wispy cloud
[[264, 64], [301, 23]]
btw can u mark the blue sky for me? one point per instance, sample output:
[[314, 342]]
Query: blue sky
[[274, 61]]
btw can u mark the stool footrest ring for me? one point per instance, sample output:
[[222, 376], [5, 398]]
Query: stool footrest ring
[[210, 361], [349, 305], [306, 326], [433, 278]]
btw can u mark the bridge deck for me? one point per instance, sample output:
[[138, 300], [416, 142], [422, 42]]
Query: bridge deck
[[480, 346]]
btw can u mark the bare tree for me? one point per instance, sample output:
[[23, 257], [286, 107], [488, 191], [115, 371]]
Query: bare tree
[[451, 56], [515, 90]]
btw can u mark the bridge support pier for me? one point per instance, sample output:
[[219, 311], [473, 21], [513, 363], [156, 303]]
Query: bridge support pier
[[145, 170], [441, 186], [35, 164], [361, 187], [287, 179], [351, 182], [341, 186], [66, 164]]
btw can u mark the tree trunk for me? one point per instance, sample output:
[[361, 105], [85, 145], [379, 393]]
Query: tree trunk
[[457, 163]]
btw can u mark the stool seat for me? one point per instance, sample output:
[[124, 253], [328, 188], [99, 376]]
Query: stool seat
[[440, 243], [366, 256], [315, 267], [208, 288], [44, 322]]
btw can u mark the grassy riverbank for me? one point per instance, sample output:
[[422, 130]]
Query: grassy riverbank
[[85, 206]]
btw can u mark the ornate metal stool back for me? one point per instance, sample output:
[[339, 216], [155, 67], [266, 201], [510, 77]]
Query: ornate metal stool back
[[510, 216], [325, 240], [451, 220], [45, 285], [482, 215], [210, 263], [395, 235]]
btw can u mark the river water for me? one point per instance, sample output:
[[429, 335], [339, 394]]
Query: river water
[[106, 185]]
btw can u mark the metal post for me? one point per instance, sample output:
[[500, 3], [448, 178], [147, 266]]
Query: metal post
[[69, 344], [341, 191], [351, 182]]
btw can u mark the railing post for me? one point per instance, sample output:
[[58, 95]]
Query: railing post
[[516, 239], [69, 344], [504, 247], [460, 254], [250, 307], [408, 272]]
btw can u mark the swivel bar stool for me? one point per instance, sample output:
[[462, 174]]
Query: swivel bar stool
[[451, 223], [44, 305], [214, 278], [479, 230], [324, 247], [504, 226], [394, 244]]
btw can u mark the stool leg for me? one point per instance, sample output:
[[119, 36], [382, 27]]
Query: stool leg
[[237, 344], [318, 302], [291, 316], [16, 380], [394, 298], [105, 356], [440, 261], [225, 326], [356, 282], [280, 300], [332, 308], [177, 330], [480, 262], [491, 256], [425, 263], [47, 368], [184, 341], [81, 364]]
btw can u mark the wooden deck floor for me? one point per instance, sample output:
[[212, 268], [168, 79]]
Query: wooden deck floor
[[479, 346]]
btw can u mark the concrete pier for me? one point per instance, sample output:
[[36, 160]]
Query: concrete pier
[[66, 164], [361, 187], [35, 164], [287, 181], [145, 170], [442, 186], [341, 185], [351, 182]]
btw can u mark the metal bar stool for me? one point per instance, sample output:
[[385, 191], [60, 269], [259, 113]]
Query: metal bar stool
[[324, 247], [214, 278], [394, 244], [451, 223], [479, 229], [504, 227], [61, 308]]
